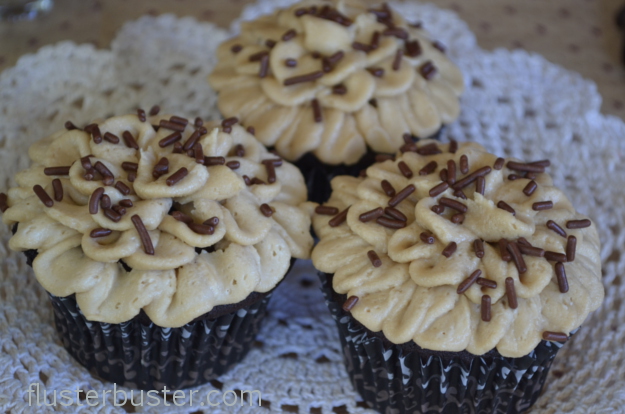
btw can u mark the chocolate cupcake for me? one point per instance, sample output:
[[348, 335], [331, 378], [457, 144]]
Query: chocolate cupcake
[[159, 241], [454, 277], [328, 84]]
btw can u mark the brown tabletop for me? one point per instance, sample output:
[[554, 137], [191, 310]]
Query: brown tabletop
[[580, 35]]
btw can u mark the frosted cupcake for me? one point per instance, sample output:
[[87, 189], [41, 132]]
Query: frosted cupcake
[[325, 83], [159, 241], [454, 277]]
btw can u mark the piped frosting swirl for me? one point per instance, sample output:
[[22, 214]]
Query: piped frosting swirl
[[456, 249], [169, 219], [332, 78]]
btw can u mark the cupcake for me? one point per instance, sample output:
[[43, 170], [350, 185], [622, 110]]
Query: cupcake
[[159, 241], [454, 277], [330, 83]]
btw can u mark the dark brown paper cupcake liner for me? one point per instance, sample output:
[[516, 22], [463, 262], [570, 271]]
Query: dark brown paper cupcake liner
[[140, 354], [405, 378], [318, 175]]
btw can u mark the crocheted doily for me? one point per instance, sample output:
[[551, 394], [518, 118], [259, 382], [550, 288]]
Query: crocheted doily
[[516, 104]]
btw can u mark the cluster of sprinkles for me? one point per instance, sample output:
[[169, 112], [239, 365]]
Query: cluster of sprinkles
[[410, 47], [98, 171], [509, 250]]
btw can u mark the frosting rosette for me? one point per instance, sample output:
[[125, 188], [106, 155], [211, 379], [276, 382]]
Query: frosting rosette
[[157, 213], [457, 249], [333, 77]]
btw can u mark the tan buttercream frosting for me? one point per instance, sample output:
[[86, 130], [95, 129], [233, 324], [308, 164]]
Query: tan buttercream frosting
[[377, 77], [234, 238], [414, 293]]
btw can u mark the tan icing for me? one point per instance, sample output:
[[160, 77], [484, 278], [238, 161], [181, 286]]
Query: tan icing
[[412, 296], [282, 115], [252, 252]]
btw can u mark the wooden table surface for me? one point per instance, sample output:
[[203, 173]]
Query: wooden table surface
[[580, 35]]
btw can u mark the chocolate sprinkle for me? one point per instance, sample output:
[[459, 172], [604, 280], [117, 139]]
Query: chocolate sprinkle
[[122, 188], [121, 210], [211, 161], [339, 89], [517, 166], [486, 283], [148, 247], [457, 218], [375, 259], [4, 202], [377, 72], [176, 177], [451, 172], [339, 218], [456, 205], [437, 209], [517, 257], [290, 34], [180, 216], [563, 283], [94, 201], [86, 163], [480, 185], [174, 126], [571, 244], [499, 162], [130, 166], [413, 48], [396, 214], [429, 168], [478, 248], [95, 133], [213, 221], [99, 232], [485, 309], [530, 188], [326, 210], [390, 223], [132, 176], [290, 63], [384, 157], [405, 169], [471, 177], [530, 250], [203, 229], [264, 67], [503, 250], [453, 145], [466, 283], [170, 139], [251, 130], [233, 165], [428, 70], [505, 206], [309, 77], [161, 168], [105, 201], [361, 47], [112, 138], [155, 109], [397, 60], [552, 225], [450, 249], [578, 224], [427, 237], [443, 174], [542, 205], [555, 336], [58, 189], [126, 203], [69, 125], [193, 139], [464, 164], [388, 188], [129, 140], [439, 189], [398, 32], [198, 153], [316, 110], [111, 214], [402, 195], [511, 293], [429, 149], [350, 303], [56, 170], [371, 215], [266, 210], [555, 256]]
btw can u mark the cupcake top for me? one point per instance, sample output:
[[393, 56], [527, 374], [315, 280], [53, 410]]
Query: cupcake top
[[456, 249], [331, 77], [174, 218]]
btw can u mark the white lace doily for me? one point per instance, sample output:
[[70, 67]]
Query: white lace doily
[[516, 104]]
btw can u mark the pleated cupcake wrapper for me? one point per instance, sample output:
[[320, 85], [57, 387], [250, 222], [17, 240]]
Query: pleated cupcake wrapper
[[394, 381], [139, 354]]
